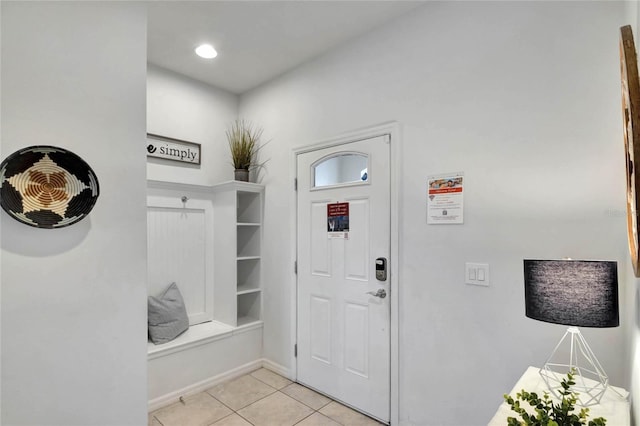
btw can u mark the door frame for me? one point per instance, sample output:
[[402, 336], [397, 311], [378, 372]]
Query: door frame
[[394, 131]]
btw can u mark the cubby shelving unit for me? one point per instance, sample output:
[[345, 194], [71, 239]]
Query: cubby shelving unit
[[225, 245], [238, 250]]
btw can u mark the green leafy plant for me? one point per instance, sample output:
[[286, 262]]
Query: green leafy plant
[[244, 143], [548, 413]]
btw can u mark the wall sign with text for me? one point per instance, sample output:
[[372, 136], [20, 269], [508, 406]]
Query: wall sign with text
[[338, 220], [445, 199], [172, 149]]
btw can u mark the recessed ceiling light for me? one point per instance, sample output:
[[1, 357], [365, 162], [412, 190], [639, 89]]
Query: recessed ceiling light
[[206, 51]]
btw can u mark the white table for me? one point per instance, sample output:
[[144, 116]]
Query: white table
[[614, 408]]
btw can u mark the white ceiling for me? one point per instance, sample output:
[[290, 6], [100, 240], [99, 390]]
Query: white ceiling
[[256, 40]]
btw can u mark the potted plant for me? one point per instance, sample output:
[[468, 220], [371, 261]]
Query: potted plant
[[550, 413], [244, 144]]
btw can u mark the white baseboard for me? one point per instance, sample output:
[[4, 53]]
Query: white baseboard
[[172, 397], [277, 368]]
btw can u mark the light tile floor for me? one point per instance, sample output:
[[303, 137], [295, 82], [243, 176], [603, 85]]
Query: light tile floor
[[261, 398]]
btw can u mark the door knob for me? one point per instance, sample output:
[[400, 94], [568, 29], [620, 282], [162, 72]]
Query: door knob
[[380, 293]]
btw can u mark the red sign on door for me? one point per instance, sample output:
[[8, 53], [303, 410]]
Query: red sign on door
[[338, 220]]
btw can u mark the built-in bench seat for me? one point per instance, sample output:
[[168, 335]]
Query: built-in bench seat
[[196, 335], [201, 357]]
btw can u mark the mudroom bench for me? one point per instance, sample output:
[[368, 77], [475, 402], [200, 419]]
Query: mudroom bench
[[203, 356]]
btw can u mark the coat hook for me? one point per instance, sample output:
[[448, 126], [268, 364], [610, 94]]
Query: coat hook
[[184, 198]]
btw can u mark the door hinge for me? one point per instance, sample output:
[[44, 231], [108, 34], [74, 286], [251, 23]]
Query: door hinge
[[295, 267], [295, 350], [295, 184]]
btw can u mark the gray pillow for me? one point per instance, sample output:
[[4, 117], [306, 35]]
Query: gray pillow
[[167, 315]]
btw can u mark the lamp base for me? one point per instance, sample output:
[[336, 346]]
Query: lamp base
[[589, 376]]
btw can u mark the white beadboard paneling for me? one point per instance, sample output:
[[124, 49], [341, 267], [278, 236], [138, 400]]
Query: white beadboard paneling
[[179, 249]]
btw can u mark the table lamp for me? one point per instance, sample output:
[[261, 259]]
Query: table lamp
[[577, 293]]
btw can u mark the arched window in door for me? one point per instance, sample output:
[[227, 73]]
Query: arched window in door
[[341, 168]]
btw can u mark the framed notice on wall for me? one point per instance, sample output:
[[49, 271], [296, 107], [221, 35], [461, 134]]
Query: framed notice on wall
[[445, 199], [173, 149]]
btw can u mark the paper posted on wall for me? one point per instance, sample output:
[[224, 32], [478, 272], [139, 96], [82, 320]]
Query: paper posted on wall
[[445, 199], [338, 220]]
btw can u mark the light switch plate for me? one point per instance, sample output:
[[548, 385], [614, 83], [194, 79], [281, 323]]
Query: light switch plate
[[476, 274]]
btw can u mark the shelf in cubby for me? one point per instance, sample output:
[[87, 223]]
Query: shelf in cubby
[[248, 258], [248, 307], [248, 274], [247, 290], [248, 207], [247, 320], [238, 251], [248, 241]]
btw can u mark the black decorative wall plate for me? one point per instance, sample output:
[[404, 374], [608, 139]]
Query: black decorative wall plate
[[47, 187]]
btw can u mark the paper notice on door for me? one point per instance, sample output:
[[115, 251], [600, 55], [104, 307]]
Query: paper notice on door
[[338, 220], [445, 199]]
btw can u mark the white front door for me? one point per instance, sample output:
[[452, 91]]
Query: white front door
[[343, 315]]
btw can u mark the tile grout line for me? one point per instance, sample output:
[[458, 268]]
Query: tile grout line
[[248, 405], [244, 418], [230, 408], [271, 394], [313, 410], [260, 380], [301, 420], [227, 416], [274, 391]]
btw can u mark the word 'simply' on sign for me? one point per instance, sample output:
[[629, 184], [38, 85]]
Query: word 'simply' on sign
[[172, 149]]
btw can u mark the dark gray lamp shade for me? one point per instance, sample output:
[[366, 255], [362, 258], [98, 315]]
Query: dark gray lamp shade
[[581, 293]]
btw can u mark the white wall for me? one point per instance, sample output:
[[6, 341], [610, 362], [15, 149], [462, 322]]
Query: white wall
[[182, 108], [74, 348], [631, 298], [1, 156], [522, 97]]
